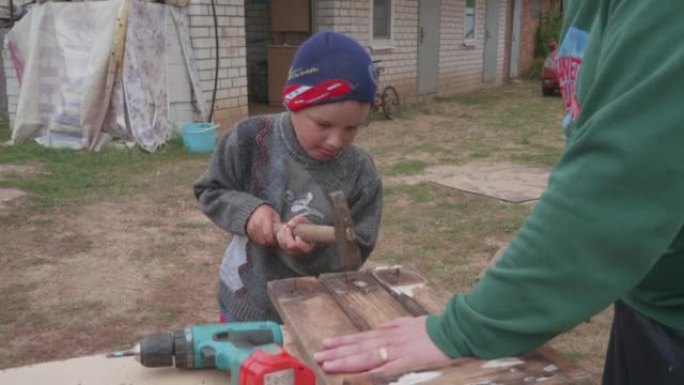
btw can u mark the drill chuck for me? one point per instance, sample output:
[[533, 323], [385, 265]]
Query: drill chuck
[[166, 349]]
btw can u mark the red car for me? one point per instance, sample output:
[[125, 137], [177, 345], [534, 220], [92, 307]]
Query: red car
[[549, 81]]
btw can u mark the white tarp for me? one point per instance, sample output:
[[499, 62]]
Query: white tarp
[[81, 83]]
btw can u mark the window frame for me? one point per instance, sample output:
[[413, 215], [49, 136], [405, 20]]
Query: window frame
[[469, 41], [382, 42]]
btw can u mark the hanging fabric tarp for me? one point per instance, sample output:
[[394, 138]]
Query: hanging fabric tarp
[[93, 71], [144, 74], [61, 55]]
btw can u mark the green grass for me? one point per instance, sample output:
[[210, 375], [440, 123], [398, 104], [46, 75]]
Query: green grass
[[407, 167], [68, 176], [511, 123], [446, 231], [432, 148]]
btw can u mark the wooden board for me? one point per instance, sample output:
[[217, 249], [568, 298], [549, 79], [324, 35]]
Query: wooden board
[[343, 303], [362, 298], [310, 315], [412, 290], [530, 368]]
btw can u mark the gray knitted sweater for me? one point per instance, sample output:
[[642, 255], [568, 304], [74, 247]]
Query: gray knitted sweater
[[259, 162]]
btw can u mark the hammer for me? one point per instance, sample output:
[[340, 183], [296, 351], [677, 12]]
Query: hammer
[[341, 233]]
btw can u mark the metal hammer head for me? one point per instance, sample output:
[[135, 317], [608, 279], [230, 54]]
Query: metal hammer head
[[345, 236]]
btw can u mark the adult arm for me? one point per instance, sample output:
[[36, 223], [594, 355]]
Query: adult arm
[[613, 204]]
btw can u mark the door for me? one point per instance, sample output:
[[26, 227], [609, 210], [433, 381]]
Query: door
[[491, 40], [428, 46], [515, 40]]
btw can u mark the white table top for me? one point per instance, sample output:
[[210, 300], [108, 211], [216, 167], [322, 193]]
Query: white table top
[[100, 370]]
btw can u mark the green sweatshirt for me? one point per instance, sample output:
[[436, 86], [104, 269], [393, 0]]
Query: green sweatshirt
[[609, 226]]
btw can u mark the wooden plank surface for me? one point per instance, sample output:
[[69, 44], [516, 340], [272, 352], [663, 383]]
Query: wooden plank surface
[[411, 289], [343, 303], [528, 368], [362, 298], [310, 315]]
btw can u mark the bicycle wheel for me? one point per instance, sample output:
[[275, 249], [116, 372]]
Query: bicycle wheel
[[390, 102]]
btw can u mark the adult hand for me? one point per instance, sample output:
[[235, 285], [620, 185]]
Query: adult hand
[[402, 344], [291, 243], [260, 225]]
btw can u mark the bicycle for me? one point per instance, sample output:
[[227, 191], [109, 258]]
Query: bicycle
[[388, 99]]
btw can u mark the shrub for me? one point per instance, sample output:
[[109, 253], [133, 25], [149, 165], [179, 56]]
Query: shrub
[[548, 31]]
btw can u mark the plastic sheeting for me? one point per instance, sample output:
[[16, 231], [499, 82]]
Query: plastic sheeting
[[93, 71]]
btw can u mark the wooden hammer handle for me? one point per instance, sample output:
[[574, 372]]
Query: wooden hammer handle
[[312, 233]]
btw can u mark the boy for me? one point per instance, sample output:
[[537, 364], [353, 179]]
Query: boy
[[281, 169]]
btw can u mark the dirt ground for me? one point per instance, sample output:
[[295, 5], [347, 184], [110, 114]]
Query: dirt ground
[[95, 277], [115, 266]]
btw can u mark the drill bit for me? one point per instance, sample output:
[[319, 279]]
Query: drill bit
[[125, 353], [122, 353]]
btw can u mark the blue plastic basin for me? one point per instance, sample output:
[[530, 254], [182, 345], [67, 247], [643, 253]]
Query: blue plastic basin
[[199, 137]]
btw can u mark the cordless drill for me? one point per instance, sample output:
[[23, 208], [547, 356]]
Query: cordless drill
[[250, 351]]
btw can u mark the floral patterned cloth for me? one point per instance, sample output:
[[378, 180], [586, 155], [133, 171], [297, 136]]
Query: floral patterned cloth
[[144, 76]]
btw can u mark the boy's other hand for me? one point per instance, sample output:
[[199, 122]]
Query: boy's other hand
[[291, 243], [260, 226]]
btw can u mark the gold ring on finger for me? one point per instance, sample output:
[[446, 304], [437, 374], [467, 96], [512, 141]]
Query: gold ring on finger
[[384, 354]]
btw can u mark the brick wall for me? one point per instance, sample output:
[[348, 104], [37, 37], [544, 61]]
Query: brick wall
[[3, 83], [401, 60], [181, 107], [324, 15], [353, 18], [531, 12], [11, 84], [503, 43], [231, 94], [460, 66], [529, 21], [508, 35]]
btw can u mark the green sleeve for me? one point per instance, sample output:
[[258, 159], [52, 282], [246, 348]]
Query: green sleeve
[[614, 200]]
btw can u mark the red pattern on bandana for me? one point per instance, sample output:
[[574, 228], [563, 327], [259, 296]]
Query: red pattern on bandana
[[297, 97]]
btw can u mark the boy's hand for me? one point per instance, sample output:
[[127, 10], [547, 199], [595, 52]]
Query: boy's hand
[[291, 243], [260, 226]]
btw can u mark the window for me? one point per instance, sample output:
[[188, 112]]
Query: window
[[469, 24], [382, 19]]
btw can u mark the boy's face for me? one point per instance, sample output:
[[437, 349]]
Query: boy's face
[[325, 130]]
